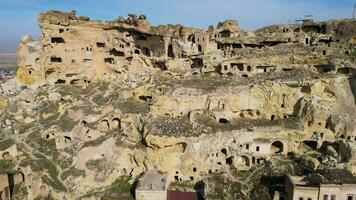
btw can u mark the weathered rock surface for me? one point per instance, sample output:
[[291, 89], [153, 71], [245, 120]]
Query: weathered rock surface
[[96, 103]]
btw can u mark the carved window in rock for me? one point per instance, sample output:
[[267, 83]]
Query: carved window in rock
[[109, 60], [56, 59], [57, 40], [170, 51], [115, 52], [200, 48], [225, 34], [239, 66], [100, 44]]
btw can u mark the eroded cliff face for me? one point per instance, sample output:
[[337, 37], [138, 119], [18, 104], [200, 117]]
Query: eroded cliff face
[[96, 104]]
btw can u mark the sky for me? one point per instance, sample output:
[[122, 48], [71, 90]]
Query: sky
[[19, 17]]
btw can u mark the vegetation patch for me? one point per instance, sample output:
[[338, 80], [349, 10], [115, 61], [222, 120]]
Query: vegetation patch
[[47, 147], [6, 166], [54, 183], [132, 106], [119, 189], [74, 172], [65, 123], [96, 165], [4, 144]]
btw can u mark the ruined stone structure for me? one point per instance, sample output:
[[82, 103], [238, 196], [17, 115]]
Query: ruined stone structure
[[101, 100]]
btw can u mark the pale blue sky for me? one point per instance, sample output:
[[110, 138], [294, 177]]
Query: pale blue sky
[[19, 17]]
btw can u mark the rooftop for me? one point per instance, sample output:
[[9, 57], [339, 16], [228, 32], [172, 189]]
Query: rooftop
[[153, 180], [327, 176]]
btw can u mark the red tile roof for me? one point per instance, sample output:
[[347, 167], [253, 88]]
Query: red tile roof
[[178, 195]]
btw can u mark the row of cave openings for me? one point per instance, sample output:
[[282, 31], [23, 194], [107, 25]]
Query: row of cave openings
[[277, 148], [242, 115], [328, 69], [139, 50], [115, 123]]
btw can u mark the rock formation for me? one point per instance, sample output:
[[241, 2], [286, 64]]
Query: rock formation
[[95, 104]]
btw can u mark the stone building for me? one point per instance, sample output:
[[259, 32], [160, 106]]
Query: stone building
[[152, 186], [326, 185]]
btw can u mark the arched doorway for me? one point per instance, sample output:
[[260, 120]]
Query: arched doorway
[[277, 147], [200, 49], [245, 160], [145, 51], [170, 51]]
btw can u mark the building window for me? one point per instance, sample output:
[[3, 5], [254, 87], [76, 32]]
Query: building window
[[333, 197], [309, 198], [257, 148], [247, 146], [326, 197], [350, 197], [301, 198]]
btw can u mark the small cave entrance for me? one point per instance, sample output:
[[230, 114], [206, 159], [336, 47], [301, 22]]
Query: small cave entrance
[[145, 98], [115, 52], [223, 121], [56, 59], [323, 68], [237, 46], [225, 33], [60, 81], [191, 38], [100, 44], [311, 144], [229, 160], [104, 124], [109, 60], [200, 49], [249, 68], [344, 70], [197, 63], [49, 72], [277, 147], [306, 89], [239, 66], [57, 40], [307, 41], [184, 146], [245, 160], [145, 51], [170, 51], [224, 151], [116, 123], [75, 81], [67, 138]]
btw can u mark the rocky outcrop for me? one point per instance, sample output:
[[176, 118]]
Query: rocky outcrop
[[96, 104]]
